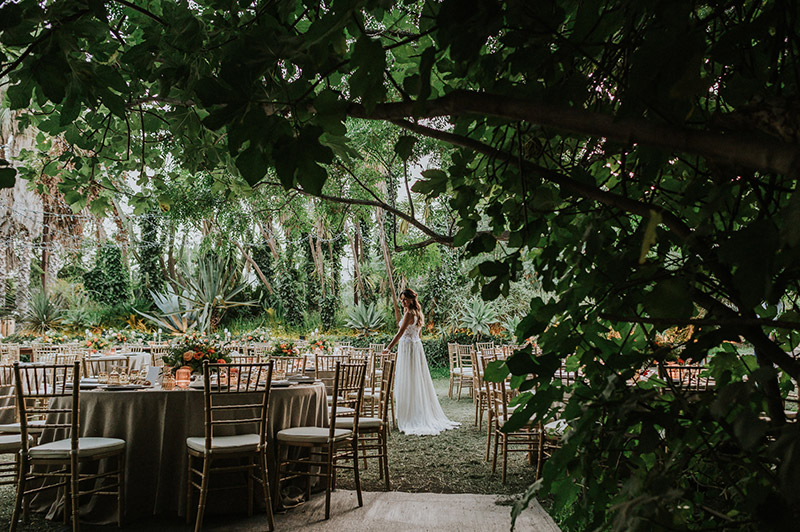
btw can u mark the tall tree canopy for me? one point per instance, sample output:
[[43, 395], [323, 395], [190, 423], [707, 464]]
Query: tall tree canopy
[[642, 156]]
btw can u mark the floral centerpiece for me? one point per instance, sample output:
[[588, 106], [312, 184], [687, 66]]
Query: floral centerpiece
[[259, 335], [51, 338], [117, 337], [321, 344], [96, 343], [284, 349], [192, 350]]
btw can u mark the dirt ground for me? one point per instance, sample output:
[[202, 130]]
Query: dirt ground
[[452, 462]]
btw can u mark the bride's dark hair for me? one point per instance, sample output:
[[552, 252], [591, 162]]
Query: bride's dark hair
[[413, 305]]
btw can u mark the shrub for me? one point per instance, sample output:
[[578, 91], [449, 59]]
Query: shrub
[[366, 319], [44, 313]]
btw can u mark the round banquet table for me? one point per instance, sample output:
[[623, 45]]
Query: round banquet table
[[155, 424]]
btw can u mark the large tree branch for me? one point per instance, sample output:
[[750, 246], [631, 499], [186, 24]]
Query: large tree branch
[[583, 189], [733, 149]]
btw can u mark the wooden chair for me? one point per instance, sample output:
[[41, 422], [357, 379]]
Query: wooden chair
[[260, 351], [156, 355], [336, 443], [9, 443], [465, 373], [92, 367], [236, 404], [373, 432], [325, 366], [38, 351], [289, 365], [38, 390], [452, 357], [690, 378], [483, 346], [480, 390], [9, 353]]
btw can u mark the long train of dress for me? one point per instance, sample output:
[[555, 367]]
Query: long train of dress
[[418, 408]]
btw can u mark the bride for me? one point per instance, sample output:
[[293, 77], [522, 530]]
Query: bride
[[418, 409]]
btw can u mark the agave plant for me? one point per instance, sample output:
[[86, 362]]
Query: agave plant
[[176, 316], [44, 313], [213, 290], [477, 316], [365, 319], [510, 325]]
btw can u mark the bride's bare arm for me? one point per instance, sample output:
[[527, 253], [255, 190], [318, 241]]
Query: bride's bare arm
[[407, 319]]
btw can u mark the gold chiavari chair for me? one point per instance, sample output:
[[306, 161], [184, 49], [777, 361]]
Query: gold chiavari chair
[[9, 353], [92, 367], [132, 348], [232, 404], [480, 391], [337, 444], [260, 351], [285, 366], [40, 350], [373, 432], [325, 366], [157, 352], [40, 390], [9, 443], [465, 370], [483, 346]]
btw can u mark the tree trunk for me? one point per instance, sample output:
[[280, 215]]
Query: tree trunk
[[24, 277], [269, 236], [252, 263], [387, 259], [45, 249]]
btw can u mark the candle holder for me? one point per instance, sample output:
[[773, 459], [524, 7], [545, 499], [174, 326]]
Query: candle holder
[[183, 376]]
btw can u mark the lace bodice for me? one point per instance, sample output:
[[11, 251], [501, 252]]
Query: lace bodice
[[411, 333]]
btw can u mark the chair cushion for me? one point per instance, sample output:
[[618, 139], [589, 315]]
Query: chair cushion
[[466, 372], [225, 444], [311, 435], [36, 426], [363, 422], [87, 447], [12, 443]]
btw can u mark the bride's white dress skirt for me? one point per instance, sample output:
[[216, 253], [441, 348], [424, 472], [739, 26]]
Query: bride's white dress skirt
[[418, 408]]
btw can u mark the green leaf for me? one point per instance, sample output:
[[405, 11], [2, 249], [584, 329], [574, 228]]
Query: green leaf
[[496, 371], [252, 165], [670, 298], [404, 146], [649, 238], [7, 177]]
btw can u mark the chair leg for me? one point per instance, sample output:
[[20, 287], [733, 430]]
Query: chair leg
[[458, 398], [262, 462], [356, 474], [450, 389], [250, 471], [121, 489], [505, 458], [201, 506], [385, 453], [21, 467], [497, 437], [73, 478], [488, 434], [475, 424], [189, 489], [330, 481]]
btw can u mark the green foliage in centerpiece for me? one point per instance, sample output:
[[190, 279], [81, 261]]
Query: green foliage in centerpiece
[[284, 349], [192, 349], [320, 343]]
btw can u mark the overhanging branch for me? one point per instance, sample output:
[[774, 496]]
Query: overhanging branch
[[756, 154]]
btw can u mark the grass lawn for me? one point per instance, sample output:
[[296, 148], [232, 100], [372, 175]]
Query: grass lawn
[[452, 462]]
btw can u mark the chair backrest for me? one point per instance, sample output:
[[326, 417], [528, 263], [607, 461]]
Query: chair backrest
[[236, 395], [690, 378], [92, 367], [348, 391], [260, 350], [464, 353], [36, 385], [358, 354], [386, 383], [39, 350], [156, 354], [476, 364], [289, 365], [325, 366], [377, 348], [452, 355], [9, 353], [492, 388], [131, 348], [482, 346]]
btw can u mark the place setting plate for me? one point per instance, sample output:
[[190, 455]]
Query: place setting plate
[[123, 387]]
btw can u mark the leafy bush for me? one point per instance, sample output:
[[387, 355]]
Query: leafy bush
[[477, 316], [108, 281], [44, 313], [177, 314], [213, 289], [366, 319], [327, 311]]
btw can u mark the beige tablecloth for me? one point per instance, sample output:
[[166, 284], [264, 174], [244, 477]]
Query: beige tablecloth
[[155, 425]]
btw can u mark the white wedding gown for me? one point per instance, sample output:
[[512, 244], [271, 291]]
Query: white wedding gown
[[418, 408]]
